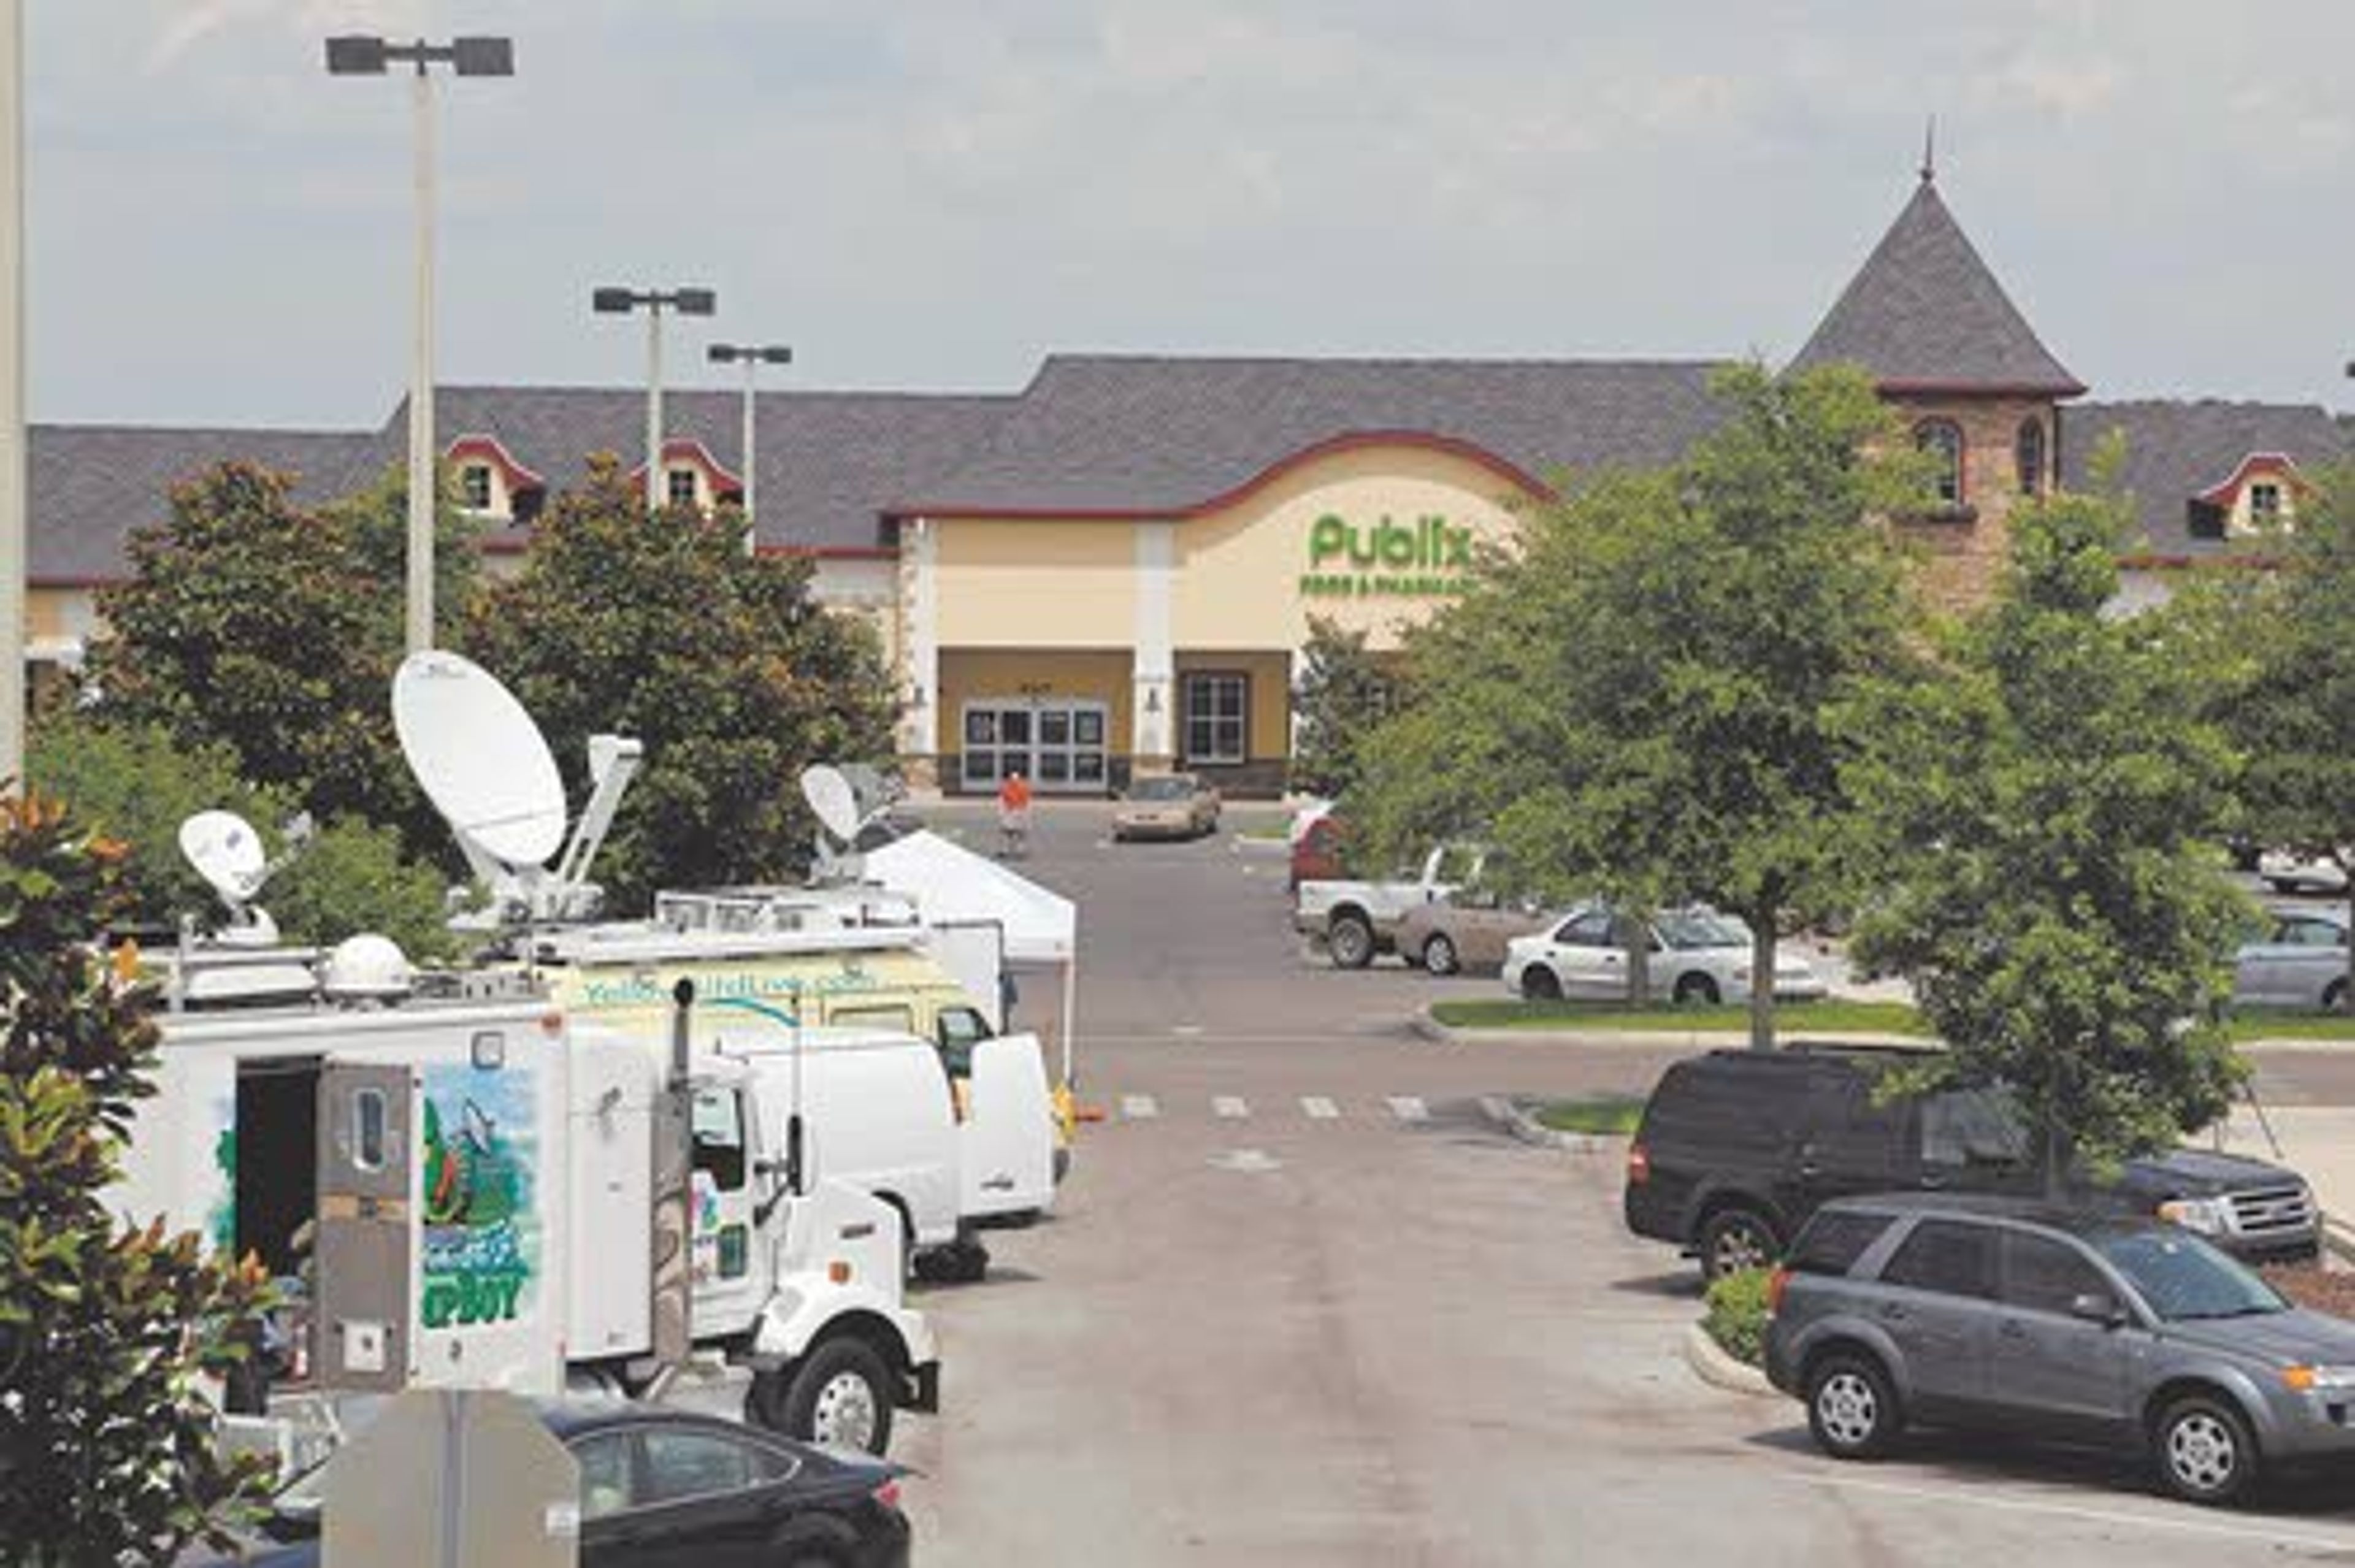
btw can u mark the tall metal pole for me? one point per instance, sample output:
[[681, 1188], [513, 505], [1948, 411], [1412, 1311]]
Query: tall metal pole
[[13, 464], [751, 369], [654, 497], [422, 487]]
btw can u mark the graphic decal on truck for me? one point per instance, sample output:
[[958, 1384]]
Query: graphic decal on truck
[[482, 1226]]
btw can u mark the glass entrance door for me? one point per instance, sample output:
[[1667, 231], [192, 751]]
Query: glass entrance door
[[1059, 744]]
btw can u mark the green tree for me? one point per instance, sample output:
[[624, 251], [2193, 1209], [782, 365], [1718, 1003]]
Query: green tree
[[2047, 809], [251, 623], [2292, 711], [735, 678], [1634, 700], [107, 1454], [1346, 690], [136, 784]]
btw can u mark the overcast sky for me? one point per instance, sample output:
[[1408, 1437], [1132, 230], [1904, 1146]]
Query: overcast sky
[[933, 194]]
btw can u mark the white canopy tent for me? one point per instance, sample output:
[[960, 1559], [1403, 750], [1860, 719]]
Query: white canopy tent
[[951, 884]]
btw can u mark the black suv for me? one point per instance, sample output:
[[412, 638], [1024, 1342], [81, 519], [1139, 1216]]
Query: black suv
[[1737, 1148]]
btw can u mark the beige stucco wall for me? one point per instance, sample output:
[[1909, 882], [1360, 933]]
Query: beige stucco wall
[[867, 588], [971, 674], [1269, 715], [1240, 570], [1028, 584]]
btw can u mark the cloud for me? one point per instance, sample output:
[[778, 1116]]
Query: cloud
[[182, 26], [2068, 89]]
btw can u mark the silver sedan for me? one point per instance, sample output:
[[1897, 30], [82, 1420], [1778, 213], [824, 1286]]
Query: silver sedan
[[2300, 961]]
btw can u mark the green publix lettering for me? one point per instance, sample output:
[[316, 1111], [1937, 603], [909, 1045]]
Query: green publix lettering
[[1428, 545]]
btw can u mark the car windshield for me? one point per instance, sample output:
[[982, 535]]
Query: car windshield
[[2183, 1278], [1160, 789], [1701, 928]]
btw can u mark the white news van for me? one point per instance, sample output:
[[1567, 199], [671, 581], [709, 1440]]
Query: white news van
[[503, 1198]]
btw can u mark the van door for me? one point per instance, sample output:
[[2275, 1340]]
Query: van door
[[974, 952], [730, 1267], [1007, 1145], [363, 1252]]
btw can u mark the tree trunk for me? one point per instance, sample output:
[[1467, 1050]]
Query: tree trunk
[[1636, 932], [1762, 981]]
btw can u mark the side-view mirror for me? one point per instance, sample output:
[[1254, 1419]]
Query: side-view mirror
[[2093, 1306]]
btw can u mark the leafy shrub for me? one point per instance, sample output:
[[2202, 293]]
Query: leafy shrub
[[1737, 1315]]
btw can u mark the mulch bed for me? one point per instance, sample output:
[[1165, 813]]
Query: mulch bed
[[2311, 1285]]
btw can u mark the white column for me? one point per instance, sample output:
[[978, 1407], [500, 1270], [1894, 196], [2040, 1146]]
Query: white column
[[13, 500], [1152, 708], [418, 620], [920, 649]]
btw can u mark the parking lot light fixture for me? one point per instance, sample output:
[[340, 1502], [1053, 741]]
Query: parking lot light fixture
[[751, 357], [615, 301]]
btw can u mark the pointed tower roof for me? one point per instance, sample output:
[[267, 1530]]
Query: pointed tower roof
[[1924, 314]]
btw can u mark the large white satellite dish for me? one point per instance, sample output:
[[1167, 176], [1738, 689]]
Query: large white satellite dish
[[227, 853], [479, 758], [832, 798]]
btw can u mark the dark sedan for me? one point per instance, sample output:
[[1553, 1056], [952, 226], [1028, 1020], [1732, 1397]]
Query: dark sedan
[[669, 1488]]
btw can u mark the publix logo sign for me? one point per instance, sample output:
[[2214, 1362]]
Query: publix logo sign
[[1384, 559]]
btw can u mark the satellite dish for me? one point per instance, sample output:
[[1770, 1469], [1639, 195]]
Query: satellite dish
[[479, 758], [831, 796], [227, 853]]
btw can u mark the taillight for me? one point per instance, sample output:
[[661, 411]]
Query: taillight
[[1639, 1165], [1776, 1283], [887, 1494]]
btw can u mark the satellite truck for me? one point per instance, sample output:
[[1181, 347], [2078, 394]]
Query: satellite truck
[[466, 1187]]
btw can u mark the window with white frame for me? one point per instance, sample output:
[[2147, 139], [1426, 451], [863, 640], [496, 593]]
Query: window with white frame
[[475, 487], [1217, 707], [679, 486], [2265, 503]]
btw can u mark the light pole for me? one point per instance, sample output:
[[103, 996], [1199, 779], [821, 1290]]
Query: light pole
[[363, 55], [621, 302], [752, 357], [13, 498]]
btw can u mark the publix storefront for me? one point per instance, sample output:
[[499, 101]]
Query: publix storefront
[[1081, 646]]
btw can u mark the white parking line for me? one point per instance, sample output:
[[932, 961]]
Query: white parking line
[[1319, 1108], [1496, 1108], [1409, 1108], [1138, 1108], [1975, 1497], [1187, 1029], [1229, 1107]]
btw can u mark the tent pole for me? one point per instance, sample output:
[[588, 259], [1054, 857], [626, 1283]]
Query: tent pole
[[1071, 1007]]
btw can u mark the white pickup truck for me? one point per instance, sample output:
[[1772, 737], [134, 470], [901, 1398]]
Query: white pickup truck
[[1358, 920]]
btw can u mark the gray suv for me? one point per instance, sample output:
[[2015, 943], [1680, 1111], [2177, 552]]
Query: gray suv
[[2063, 1324]]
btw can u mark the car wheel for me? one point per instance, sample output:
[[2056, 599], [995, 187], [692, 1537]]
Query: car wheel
[[2205, 1451], [1539, 983], [2286, 886], [1439, 955], [2334, 996], [1736, 1238], [1697, 990], [840, 1395], [1851, 1409], [1352, 942]]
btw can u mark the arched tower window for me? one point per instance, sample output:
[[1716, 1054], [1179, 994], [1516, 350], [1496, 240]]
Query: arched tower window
[[2028, 456], [1943, 440]]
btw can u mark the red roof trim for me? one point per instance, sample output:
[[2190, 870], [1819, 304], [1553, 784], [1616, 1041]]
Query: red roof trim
[[518, 476], [1356, 441], [2280, 462], [1900, 388], [724, 480], [517, 540]]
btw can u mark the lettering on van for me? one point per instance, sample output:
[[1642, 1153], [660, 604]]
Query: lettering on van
[[735, 985], [482, 1228]]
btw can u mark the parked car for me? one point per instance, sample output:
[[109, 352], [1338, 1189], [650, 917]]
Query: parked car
[[2298, 961], [1317, 850], [2058, 1323], [2291, 873], [1466, 932], [1700, 958], [669, 1488], [1165, 805], [1356, 920], [1738, 1148]]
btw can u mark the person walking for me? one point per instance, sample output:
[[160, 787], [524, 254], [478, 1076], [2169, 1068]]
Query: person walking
[[1014, 817]]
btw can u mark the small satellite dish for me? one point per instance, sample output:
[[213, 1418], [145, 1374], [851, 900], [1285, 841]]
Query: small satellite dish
[[227, 853], [831, 797], [479, 758]]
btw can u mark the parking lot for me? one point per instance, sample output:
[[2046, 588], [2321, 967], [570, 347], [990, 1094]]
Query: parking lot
[[1302, 1302]]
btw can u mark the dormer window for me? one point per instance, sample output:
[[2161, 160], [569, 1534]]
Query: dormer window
[[475, 487], [2028, 456], [1943, 441], [679, 486]]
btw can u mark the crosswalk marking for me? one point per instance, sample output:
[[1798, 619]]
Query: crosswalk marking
[[1229, 1107], [1319, 1108], [1409, 1108], [1138, 1108]]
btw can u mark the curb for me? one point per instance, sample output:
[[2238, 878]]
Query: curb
[[1513, 1116], [1423, 1023], [1713, 1366]]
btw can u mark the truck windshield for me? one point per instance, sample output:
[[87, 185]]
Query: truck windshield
[[2182, 1277]]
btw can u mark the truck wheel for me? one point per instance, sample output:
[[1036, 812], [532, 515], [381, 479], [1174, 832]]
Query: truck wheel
[[1736, 1238], [1439, 955], [2205, 1452], [1352, 939], [1851, 1409], [838, 1393]]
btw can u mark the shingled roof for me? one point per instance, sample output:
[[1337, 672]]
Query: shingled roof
[[92, 484], [1924, 314], [1126, 436], [2177, 450]]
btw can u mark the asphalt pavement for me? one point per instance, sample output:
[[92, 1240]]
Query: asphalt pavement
[[1301, 1302]]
